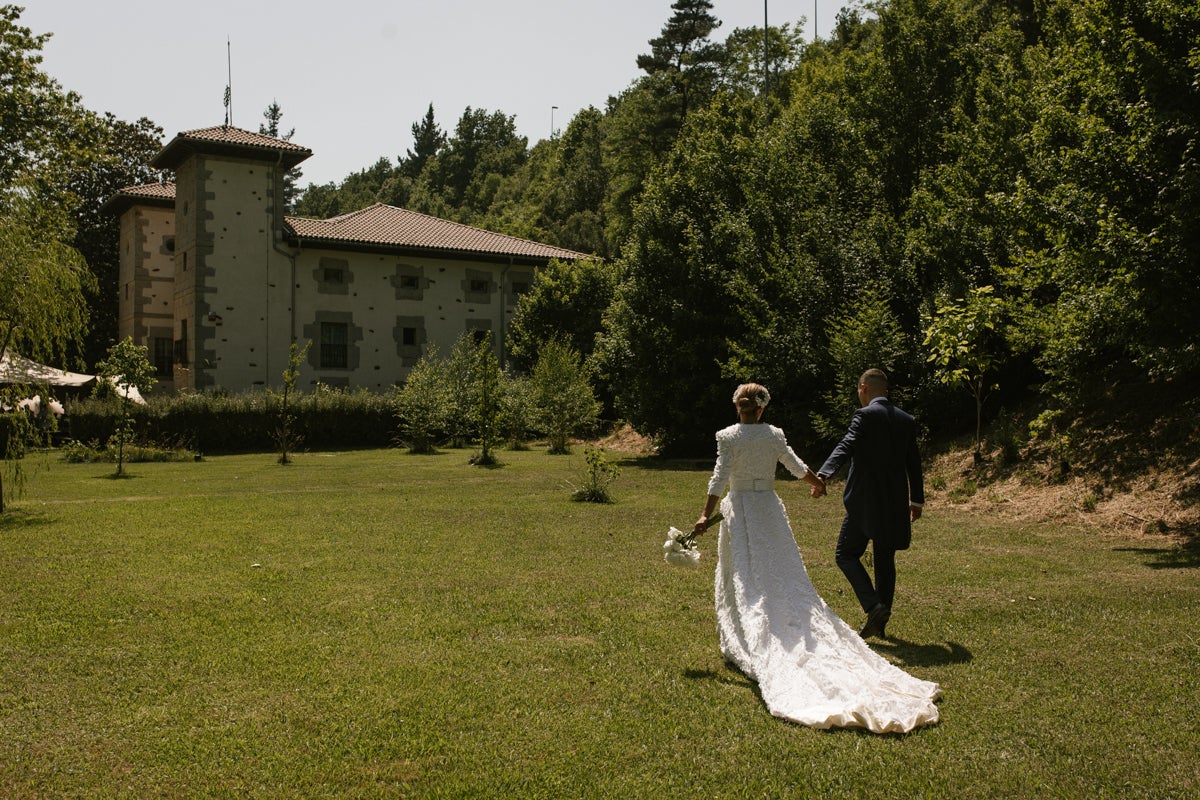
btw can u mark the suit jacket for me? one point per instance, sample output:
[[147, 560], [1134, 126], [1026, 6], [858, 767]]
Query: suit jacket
[[885, 472]]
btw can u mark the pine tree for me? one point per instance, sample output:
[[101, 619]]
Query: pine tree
[[683, 55], [273, 115], [428, 139]]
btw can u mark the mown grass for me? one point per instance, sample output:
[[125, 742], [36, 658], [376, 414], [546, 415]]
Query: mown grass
[[376, 624]]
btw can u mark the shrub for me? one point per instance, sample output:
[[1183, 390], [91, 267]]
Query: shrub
[[598, 475], [222, 423]]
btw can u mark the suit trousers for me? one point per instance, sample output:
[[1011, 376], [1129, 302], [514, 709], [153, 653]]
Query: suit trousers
[[851, 545]]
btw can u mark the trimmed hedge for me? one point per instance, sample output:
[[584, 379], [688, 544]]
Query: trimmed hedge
[[217, 423]]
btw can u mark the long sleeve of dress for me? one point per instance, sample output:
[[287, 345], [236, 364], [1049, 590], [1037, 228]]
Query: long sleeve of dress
[[720, 476]]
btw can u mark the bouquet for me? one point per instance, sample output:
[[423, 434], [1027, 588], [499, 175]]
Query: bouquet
[[680, 550]]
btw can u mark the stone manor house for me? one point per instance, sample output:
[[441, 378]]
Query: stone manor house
[[217, 282]]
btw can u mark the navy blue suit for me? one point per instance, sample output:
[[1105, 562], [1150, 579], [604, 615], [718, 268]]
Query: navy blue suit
[[885, 477]]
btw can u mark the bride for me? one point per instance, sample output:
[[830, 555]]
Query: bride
[[810, 666]]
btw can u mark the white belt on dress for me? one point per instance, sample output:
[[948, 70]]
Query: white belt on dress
[[752, 484]]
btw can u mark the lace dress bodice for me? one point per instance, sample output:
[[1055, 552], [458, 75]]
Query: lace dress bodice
[[748, 453]]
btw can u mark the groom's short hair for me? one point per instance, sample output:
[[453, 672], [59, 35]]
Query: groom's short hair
[[876, 380]]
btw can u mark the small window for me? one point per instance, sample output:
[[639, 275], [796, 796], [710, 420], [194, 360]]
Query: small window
[[519, 288], [170, 244], [333, 275], [479, 336], [480, 286], [408, 337], [409, 282], [164, 356], [334, 349]]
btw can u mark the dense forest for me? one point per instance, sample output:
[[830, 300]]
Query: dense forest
[[998, 203]]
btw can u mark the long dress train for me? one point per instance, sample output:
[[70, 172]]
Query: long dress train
[[810, 666]]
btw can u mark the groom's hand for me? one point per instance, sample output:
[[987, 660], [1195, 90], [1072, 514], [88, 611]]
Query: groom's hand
[[818, 488]]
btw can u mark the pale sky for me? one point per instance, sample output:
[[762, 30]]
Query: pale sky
[[352, 76]]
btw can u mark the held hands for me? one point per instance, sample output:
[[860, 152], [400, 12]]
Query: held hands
[[818, 486]]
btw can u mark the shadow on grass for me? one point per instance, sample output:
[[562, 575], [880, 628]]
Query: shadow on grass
[[660, 463], [495, 463], [19, 519], [911, 654], [1184, 556], [907, 653], [730, 676]]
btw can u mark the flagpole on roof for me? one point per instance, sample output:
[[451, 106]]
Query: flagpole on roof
[[229, 84]]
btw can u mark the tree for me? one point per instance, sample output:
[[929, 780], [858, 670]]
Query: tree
[[467, 172], [319, 201], [44, 135], [740, 68], [291, 179], [428, 140], [516, 417], [1107, 211], [868, 334], [285, 435], [489, 384], [421, 404], [574, 211], [667, 332], [965, 338], [127, 367], [43, 283], [15, 430], [684, 56], [643, 122], [563, 399], [45, 130], [566, 300], [359, 190], [460, 372]]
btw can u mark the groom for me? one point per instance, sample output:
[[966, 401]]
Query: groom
[[884, 494]]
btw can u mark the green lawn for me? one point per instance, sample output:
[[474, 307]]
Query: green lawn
[[376, 624]]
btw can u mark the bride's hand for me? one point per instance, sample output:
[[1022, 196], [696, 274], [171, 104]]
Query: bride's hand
[[701, 526]]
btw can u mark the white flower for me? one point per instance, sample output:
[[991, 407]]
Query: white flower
[[679, 550], [683, 558]]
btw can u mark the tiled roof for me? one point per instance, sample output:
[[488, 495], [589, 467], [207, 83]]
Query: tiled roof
[[227, 133], [387, 226], [164, 190], [376, 226], [227, 140], [160, 194]]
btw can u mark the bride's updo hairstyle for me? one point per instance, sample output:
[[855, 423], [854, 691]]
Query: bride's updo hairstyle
[[750, 397]]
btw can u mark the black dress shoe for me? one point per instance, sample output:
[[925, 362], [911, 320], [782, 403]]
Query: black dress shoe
[[877, 619]]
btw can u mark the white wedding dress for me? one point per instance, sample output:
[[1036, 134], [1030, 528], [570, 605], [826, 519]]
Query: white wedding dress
[[810, 666]]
